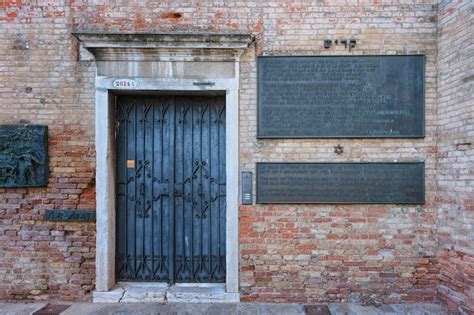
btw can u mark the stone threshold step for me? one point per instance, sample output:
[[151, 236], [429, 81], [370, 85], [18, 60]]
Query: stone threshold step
[[129, 292]]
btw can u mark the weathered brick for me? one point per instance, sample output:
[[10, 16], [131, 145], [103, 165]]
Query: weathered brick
[[454, 155]]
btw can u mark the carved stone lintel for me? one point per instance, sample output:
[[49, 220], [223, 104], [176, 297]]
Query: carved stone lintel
[[164, 46]]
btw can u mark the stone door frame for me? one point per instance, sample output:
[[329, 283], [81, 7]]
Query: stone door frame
[[161, 51]]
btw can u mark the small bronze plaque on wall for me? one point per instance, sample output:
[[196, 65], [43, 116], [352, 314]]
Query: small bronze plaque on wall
[[341, 96], [70, 215], [23, 156], [341, 183]]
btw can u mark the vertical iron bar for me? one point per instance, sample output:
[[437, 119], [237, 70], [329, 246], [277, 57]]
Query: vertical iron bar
[[144, 187], [121, 150], [135, 184], [183, 171], [162, 140], [192, 192], [126, 188], [152, 189], [201, 258], [209, 241], [218, 261], [171, 194], [162, 260]]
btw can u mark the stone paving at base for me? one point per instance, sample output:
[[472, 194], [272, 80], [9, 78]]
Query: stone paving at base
[[219, 308]]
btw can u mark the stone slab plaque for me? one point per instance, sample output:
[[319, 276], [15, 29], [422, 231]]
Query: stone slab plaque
[[341, 96], [23, 156], [70, 215], [341, 183]]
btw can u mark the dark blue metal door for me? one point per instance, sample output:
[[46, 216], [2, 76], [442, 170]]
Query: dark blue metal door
[[170, 194]]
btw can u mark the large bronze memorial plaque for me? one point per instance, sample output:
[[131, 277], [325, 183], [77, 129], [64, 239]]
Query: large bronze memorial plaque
[[341, 183], [23, 156], [341, 96]]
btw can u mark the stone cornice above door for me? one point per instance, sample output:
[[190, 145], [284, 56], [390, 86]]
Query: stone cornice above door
[[162, 46]]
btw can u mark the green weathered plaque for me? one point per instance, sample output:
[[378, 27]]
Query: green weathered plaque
[[23, 155], [341, 96], [70, 215], [341, 183]]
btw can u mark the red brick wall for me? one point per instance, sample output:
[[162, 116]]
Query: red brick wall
[[455, 170], [366, 253], [41, 83], [288, 253]]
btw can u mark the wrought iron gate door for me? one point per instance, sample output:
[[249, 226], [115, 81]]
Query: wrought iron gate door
[[170, 194]]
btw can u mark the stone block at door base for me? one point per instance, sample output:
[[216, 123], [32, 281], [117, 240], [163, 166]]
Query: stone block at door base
[[112, 296], [192, 293], [144, 292]]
